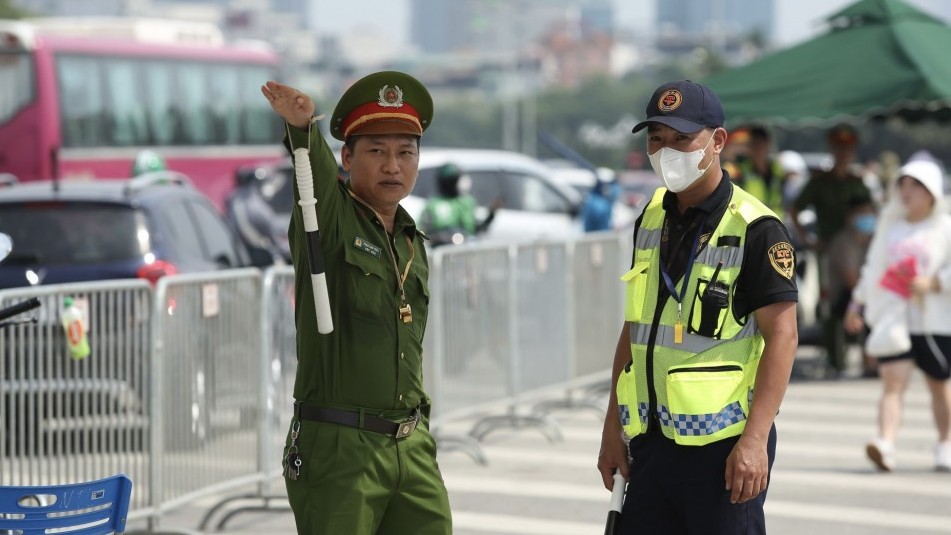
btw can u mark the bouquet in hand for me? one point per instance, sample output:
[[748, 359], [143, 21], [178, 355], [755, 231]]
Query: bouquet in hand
[[897, 278]]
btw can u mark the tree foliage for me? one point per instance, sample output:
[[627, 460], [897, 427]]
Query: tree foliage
[[9, 11]]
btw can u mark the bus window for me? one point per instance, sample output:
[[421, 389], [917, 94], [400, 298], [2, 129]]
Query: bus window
[[195, 104], [16, 83], [127, 120], [81, 103], [224, 84], [257, 117], [159, 103]]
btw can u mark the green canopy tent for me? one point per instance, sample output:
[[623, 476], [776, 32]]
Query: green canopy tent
[[879, 58]]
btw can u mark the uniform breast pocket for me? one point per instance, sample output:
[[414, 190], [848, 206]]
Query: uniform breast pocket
[[366, 284], [636, 291]]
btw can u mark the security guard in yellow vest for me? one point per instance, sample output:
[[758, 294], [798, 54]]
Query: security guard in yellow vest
[[758, 174], [709, 338], [359, 458]]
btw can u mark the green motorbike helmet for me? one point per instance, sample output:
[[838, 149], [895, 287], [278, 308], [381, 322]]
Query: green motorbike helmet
[[147, 161]]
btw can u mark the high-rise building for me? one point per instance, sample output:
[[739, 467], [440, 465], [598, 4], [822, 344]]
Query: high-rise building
[[712, 21], [500, 26]]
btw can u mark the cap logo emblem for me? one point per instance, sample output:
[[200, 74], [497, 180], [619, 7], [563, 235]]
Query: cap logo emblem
[[670, 100], [390, 97]]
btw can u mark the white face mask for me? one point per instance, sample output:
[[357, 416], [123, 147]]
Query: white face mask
[[679, 169]]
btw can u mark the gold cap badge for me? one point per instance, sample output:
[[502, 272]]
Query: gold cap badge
[[391, 97], [670, 100]]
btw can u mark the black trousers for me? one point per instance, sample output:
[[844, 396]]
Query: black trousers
[[681, 490]]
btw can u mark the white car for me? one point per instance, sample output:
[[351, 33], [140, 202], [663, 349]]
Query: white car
[[534, 205]]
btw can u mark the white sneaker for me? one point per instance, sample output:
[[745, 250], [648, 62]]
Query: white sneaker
[[942, 457], [882, 454]]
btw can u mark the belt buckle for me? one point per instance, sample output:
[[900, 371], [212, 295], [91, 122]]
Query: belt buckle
[[408, 425]]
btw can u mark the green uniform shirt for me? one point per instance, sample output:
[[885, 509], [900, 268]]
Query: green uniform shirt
[[371, 359], [829, 196]]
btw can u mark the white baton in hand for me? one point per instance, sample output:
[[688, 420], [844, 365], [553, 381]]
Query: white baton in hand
[[617, 501], [315, 256]]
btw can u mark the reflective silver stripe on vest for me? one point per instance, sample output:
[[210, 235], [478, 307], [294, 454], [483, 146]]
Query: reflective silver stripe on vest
[[702, 424], [711, 256], [692, 343], [647, 239], [731, 256]]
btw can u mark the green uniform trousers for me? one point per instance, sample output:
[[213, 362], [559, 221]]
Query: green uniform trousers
[[358, 482]]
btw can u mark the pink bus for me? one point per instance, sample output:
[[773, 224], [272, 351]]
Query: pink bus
[[79, 98]]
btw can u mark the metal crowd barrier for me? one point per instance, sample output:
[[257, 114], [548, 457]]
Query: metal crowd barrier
[[189, 384], [68, 420], [510, 322], [206, 385], [278, 366]]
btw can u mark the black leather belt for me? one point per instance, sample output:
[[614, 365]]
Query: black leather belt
[[401, 429]]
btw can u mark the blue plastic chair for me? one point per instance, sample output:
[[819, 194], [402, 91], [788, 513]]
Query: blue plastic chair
[[92, 508]]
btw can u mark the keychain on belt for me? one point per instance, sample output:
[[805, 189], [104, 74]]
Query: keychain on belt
[[292, 459]]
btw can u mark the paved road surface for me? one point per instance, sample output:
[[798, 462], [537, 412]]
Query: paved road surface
[[822, 483]]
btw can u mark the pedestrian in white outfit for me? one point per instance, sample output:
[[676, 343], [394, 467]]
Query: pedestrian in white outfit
[[915, 224]]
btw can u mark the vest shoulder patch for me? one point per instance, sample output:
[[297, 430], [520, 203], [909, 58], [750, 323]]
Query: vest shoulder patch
[[782, 259]]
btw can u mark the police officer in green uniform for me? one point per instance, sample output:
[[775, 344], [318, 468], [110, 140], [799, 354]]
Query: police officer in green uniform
[[707, 347], [828, 193], [359, 457]]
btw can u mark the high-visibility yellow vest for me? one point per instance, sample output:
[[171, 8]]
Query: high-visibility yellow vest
[[753, 183], [700, 387]]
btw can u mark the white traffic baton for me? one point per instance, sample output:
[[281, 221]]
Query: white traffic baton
[[617, 500], [315, 255]]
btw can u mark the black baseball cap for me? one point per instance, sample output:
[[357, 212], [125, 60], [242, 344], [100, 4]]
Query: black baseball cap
[[685, 106]]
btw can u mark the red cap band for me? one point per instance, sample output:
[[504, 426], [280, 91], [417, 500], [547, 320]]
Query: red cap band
[[405, 119]]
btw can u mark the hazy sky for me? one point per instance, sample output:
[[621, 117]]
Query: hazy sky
[[796, 20]]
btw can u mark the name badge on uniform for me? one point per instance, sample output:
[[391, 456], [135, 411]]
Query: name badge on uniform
[[363, 245]]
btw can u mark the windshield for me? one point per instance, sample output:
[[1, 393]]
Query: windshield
[[16, 83], [75, 233]]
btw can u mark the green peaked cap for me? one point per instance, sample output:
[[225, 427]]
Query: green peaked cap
[[386, 102]]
